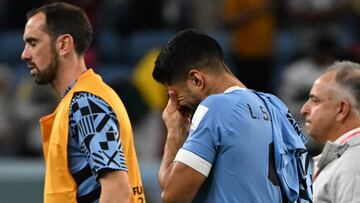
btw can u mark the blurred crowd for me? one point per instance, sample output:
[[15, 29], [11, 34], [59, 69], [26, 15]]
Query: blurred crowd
[[273, 46]]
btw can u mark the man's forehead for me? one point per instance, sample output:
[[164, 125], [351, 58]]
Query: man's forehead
[[320, 86], [326, 80], [35, 26], [36, 21], [323, 87]]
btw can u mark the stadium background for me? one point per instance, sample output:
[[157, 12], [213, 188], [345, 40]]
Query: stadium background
[[307, 36]]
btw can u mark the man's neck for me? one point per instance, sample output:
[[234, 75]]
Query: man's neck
[[68, 72], [223, 82], [351, 123]]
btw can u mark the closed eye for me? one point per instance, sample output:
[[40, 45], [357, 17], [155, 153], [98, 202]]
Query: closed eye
[[31, 41], [314, 99]]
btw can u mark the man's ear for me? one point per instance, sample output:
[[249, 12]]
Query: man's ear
[[64, 44], [196, 78], [343, 110]]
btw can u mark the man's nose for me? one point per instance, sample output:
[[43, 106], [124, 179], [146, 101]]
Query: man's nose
[[25, 55], [304, 109]]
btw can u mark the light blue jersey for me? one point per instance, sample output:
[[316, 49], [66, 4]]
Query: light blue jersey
[[94, 147], [231, 143]]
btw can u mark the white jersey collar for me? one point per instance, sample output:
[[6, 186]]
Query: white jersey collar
[[233, 88]]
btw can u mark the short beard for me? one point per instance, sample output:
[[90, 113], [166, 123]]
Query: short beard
[[49, 73]]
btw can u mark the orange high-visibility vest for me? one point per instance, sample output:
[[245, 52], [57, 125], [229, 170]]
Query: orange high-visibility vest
[[60, 186]]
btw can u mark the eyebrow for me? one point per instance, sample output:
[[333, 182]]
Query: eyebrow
[[312, 96], [30, 39]]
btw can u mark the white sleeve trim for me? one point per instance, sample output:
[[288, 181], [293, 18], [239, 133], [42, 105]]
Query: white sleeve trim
[[194, 161]]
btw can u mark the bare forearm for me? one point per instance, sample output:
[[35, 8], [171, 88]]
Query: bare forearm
[[115, 187], [115, 197], [172, 177], [178, 126], [179, 182], [174, 142]]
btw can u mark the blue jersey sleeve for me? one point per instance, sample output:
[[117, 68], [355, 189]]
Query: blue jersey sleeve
[[95, 128], [204, 136]]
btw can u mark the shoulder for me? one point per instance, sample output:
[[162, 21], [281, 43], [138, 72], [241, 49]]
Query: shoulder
[[84, 96], [347, 161], [88, 103], [273, 100], [345, 168], [227, 100], [344, 175], [217, 108]]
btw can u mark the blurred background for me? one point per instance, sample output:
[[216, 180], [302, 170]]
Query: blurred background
[[276, 46]]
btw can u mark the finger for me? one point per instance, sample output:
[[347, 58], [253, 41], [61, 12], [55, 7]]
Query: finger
[[172, 95], [172, 99]]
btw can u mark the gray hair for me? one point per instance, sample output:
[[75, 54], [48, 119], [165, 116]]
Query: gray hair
[[348, 80]]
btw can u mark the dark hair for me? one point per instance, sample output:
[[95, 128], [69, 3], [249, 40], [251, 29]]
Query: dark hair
[[63, 18], [187, 49], [348, 77]]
